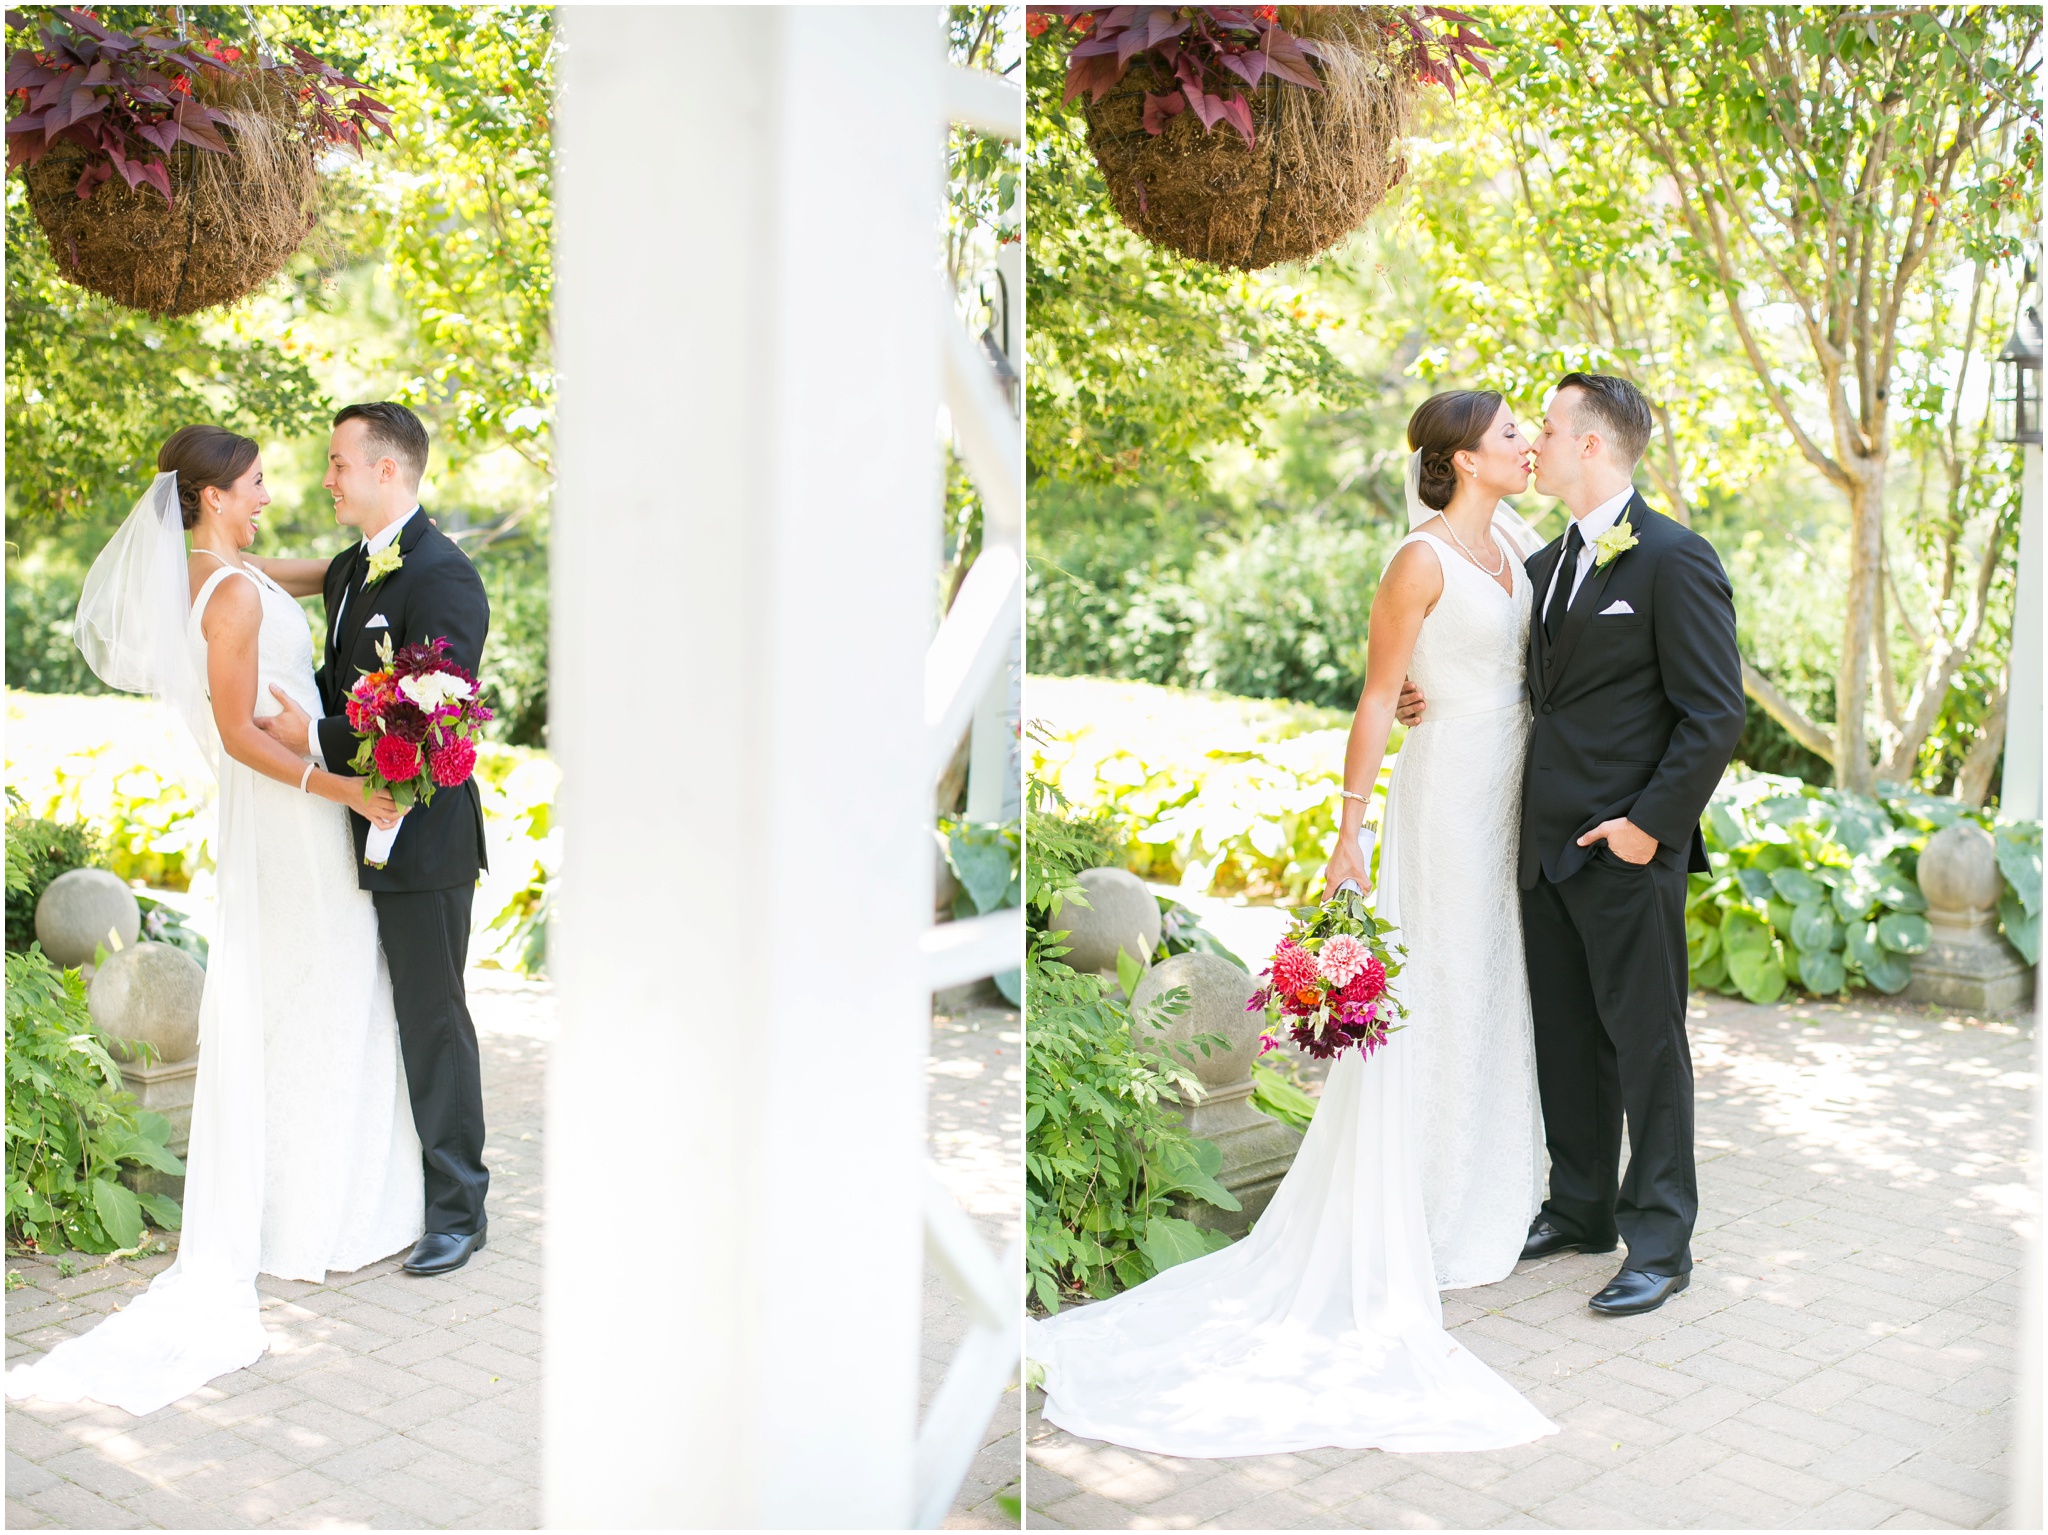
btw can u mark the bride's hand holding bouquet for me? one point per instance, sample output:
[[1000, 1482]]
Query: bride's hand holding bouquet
[[417, 717]]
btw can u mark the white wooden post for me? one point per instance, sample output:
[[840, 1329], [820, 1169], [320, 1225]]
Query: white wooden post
[[2019, 792], [742, 581]]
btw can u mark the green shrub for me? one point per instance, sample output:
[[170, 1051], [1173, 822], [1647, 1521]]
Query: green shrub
[[1106, 1154], [1816, 889], [70, 1127], [37, 852], [1278, 612]]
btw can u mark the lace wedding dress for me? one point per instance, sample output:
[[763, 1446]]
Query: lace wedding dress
[[1323, 1327], [303, 1157]]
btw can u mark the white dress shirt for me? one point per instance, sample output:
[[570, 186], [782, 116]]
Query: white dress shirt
[[383, 538], [1591, 526]]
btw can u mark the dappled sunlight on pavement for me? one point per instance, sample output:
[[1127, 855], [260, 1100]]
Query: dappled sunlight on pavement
[[1844, 1358]]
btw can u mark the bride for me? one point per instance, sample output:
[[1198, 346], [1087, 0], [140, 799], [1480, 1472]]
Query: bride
[[1420, 1171], [303, 1156]]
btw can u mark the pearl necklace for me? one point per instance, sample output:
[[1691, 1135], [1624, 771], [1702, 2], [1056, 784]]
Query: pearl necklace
[[1499, 565]]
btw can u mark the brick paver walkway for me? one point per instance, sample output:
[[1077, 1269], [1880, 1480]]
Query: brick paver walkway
[[1844, 1358], [389, 1402], [977, 1129]]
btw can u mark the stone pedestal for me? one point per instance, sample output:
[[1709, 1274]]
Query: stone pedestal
[[148, 995], [1967, 965], [166, 1088], [1257, 1150]]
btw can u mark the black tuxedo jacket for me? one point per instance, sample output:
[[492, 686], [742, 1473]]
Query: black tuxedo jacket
[[1635, 714], [434, 594]]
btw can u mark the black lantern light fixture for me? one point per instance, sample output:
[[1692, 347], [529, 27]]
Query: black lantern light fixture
[[2016, 376]]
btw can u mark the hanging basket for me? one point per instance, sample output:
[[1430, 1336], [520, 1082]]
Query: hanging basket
[[232, 223], [1319, 164]]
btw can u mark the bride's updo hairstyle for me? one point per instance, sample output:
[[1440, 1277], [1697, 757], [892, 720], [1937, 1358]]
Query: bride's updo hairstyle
[[204, 457], [1444, 424]]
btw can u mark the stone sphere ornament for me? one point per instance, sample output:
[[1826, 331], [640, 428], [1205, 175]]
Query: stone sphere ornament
[[77, 911], [148, 994], [1217, 992], [1121, 914], [1959, 870]]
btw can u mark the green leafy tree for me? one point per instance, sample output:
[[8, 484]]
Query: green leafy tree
[[1143, 362], [1831, 164], [90, 388]]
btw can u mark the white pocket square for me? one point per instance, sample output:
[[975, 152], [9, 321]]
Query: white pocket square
[[379, 621], [1616, 606]]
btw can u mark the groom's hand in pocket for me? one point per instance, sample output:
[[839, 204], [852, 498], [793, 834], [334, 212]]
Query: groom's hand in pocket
[[1626, 840], [290, 728], [1409, 709]]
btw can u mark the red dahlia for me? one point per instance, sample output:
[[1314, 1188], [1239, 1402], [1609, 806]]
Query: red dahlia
[[453, 761], [397, 759], [1367, 984], [1294, 969]]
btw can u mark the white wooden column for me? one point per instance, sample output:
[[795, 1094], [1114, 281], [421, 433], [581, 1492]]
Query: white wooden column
[[2020, 782], [743, 569]]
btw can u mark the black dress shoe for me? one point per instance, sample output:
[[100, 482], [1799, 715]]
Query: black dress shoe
[[440, 1252], [1632, 1291], [1545, 1239]]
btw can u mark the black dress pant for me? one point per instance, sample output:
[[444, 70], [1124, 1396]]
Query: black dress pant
[[1607, 984], [426, 942]]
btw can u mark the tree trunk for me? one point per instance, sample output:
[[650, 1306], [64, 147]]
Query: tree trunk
[[1973, 779], [1853, 768]]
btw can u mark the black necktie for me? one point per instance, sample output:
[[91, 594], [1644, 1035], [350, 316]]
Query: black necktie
[[1561, 591], [356, 570]]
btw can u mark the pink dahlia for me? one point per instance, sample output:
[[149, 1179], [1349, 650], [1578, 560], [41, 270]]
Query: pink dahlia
[[1367, 984], [397, 759], [1342, 957], [453, 761], [1294, 969]]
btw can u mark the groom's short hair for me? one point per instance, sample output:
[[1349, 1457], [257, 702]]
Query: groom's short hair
[[390, 431], [1618, 407]]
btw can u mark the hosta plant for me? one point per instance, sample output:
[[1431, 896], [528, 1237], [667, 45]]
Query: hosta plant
[[1816, 889]]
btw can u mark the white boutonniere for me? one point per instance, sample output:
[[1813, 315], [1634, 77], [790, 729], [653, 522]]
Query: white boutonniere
[[1614, 543], [388, 559]]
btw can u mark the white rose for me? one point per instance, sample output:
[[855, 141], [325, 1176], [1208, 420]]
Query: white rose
[[430, 690]]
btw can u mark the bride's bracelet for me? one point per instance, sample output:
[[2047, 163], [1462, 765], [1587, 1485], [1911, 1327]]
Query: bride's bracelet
[[303, 777], [1363, 799]]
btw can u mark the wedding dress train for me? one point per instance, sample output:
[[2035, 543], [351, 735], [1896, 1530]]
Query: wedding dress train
[[1324, 1327], [303, 1157]]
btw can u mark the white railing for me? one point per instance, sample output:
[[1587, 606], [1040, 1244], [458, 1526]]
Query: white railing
[[965, 662]]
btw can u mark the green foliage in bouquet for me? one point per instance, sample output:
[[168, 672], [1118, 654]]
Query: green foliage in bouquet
[[1816, 889], [70, 1127], [39, 850], [1106, 1154]]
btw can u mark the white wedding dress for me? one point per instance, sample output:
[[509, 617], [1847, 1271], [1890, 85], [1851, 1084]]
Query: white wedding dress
[[1421, 1169], [303, 1157]]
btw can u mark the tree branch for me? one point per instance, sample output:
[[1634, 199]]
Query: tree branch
[[1787, 713]]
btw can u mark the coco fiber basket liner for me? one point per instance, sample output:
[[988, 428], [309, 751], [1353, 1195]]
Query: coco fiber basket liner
[[235, 221], [1321, 161]]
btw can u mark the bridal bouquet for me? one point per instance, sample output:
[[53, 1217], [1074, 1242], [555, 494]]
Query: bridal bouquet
[[1327, 987], [417, 717]]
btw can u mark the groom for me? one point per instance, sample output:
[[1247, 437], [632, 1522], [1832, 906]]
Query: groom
[[429, 590], [1636, 688]]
